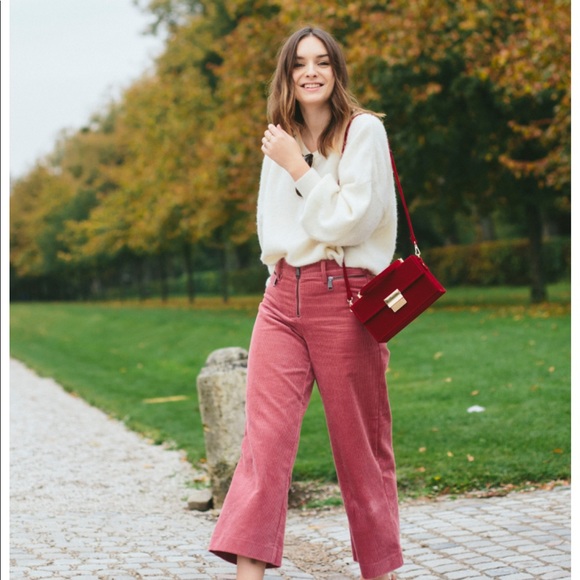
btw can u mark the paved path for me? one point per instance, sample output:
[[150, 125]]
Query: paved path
[[92, 500]]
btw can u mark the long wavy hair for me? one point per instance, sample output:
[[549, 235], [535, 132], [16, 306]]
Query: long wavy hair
[[283, 108]]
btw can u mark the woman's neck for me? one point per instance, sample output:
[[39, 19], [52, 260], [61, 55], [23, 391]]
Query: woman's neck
[[315, 122]]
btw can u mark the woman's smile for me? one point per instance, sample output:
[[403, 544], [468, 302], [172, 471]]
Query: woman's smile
[[311, 86]]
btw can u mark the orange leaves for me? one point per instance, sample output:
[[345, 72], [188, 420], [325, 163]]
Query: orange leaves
[[523, 48]]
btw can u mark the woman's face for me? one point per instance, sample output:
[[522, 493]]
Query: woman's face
[[312, 75]]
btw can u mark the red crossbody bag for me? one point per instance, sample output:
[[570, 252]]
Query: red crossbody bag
[[396, 296]]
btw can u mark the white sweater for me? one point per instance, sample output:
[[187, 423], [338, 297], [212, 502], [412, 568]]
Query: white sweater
[[347, 210]]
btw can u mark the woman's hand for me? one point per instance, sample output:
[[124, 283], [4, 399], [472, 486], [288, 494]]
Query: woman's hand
[[284, 150]]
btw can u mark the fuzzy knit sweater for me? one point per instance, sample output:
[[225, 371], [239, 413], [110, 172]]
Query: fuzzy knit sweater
[[347, 208]]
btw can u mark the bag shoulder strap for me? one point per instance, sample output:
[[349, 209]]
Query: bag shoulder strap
[[403, 202]]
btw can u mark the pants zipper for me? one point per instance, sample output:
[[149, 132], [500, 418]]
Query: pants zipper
[[298, 291]]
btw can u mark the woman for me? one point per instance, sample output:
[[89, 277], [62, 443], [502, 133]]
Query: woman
[[310, 219]]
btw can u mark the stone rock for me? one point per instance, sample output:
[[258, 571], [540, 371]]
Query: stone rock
[[221, 387], [200, 500], [232, 357]]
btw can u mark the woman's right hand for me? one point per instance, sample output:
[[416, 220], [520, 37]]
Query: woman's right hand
[[284, 150]]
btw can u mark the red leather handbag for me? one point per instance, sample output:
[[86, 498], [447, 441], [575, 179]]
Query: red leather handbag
[[396, 296]]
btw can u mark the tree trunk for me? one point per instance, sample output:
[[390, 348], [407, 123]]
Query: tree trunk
[[163, 277], [226, 275], [141, 283], [487, 229], [538, 291], [188, 260], [121, 281], [228, 261]]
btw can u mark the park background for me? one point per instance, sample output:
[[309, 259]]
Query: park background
[[133, 251]]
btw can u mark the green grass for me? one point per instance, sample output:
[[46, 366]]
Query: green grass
[[511, 359]]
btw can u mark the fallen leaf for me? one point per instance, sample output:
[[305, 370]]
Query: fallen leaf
[[437, 355], [422, 449], [470, 457], [474, 393], [557, 450], [165, 399], [449, 454], [551, 369]]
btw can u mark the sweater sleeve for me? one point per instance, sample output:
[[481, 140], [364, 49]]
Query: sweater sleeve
[[347, 212], [260, 211]]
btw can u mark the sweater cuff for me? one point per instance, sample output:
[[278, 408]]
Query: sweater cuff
[[307, 182]]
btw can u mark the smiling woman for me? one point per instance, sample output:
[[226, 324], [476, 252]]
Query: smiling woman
[[313, 217]]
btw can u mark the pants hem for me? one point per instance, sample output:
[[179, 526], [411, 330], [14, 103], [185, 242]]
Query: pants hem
[[230, 552], [382, 567]]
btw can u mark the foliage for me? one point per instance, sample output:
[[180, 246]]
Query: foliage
[[478, 102], [497, 263]]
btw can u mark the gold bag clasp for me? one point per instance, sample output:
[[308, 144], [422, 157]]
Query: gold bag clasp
[[395, 300]]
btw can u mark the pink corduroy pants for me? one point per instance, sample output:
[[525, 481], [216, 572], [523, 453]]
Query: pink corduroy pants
[[305, 332]]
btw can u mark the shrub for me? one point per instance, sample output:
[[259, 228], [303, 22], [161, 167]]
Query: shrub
[[498, 263]]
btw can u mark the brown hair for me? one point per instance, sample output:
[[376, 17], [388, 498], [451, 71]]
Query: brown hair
[[283, 108]]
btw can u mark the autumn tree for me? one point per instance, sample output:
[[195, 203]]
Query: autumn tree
[[63, 187], [162, 206], [477, 96], [479, 93]]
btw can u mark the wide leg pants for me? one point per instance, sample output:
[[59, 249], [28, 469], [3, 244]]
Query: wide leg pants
[[305, 332]]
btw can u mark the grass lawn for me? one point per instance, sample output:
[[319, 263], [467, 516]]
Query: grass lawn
[[476, 347]]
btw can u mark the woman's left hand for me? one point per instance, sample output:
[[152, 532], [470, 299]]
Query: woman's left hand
[[284, 150]]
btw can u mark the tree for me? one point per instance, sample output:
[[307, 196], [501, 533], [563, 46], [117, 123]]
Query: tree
[[477, 96], [472, 133]]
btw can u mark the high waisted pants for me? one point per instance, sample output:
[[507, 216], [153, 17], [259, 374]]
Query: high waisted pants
[[305, 332]]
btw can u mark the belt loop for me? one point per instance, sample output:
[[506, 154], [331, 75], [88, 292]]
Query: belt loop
[[323, 270]]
